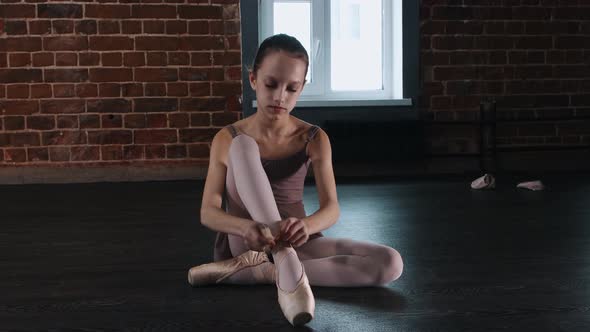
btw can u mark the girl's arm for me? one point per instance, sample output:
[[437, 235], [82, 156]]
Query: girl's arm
[[212, 215], [320, 153]]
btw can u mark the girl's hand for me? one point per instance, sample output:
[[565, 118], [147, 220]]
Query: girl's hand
[[294, 231], [259, 238]]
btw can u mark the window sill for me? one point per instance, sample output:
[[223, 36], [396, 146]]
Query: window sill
[[349, 103]]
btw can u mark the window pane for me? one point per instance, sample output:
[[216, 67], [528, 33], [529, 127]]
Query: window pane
[[356, 50], [294, 18]]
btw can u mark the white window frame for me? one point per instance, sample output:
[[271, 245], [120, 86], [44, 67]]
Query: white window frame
[[318, 93]]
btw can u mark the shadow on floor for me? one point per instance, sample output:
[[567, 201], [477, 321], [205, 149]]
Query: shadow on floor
[[373, 298]]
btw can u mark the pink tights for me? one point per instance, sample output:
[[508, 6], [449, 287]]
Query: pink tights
[[327, 261]]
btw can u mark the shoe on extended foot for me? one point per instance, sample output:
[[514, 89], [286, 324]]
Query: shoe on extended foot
[[216, 272], [298, 306]]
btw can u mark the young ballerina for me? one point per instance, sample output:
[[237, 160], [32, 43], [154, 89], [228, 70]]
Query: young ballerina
[[258, 167]]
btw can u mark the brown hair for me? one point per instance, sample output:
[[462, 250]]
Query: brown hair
[[280, 42]]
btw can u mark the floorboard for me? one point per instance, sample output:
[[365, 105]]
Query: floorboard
[[114, 256]]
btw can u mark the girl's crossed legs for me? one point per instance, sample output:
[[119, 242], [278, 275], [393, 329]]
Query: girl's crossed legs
[[334, 262], [327, 261]]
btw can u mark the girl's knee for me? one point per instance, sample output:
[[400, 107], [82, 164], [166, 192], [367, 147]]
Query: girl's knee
[[392, 266], [244, 142], [243, 146]]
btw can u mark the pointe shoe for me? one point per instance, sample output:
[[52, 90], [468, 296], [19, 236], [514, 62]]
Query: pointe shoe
[[298, 306], [531, 185], [487, 181], [216, 272]]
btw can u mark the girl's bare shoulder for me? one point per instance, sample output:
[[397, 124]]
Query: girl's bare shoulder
[[303, 127], [225, 133], [222, 141]]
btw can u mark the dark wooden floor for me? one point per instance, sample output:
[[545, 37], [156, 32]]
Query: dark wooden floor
[[106, 257]]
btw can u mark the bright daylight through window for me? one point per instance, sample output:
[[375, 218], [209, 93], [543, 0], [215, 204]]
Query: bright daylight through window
[[355, 46]]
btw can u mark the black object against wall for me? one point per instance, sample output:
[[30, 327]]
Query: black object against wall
[[375, 141], [487, 136]]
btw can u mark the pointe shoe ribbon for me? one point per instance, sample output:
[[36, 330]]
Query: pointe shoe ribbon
[[298, 306], [487, 181], [267, 249], [216, 272]]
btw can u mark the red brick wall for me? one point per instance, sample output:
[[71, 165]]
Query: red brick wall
[[114, 83], [532, 56], [123, 83]]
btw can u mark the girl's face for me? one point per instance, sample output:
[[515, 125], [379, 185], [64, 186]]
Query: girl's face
[[278, 83]]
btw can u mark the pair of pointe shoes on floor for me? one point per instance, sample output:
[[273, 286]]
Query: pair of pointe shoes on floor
[[487, 181], [298, 306]]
